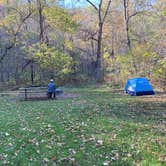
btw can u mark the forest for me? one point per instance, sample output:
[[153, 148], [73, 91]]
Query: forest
[[86, 41]]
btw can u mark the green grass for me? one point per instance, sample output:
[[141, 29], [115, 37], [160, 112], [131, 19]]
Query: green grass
[[99, 127]]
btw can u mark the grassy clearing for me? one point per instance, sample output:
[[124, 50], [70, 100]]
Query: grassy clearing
[[99, 127]]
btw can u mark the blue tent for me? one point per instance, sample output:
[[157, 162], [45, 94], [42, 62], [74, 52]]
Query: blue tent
[[138, 86]]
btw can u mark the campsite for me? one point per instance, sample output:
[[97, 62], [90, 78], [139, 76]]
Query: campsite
[[91, 126], [82, 83]]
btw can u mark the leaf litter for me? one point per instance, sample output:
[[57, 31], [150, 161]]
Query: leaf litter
[[64, 131]]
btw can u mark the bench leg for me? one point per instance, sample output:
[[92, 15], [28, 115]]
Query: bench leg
[[49, 94]]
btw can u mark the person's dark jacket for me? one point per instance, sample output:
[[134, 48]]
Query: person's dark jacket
[[51, 87]]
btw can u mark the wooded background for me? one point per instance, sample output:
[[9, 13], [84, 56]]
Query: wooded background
[[110, 41]]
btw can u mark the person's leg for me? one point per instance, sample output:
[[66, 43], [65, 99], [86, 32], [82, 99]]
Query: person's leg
[[51, 95], [54, 95]]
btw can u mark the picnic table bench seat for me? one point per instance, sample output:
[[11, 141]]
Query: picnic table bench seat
[[28, 93]]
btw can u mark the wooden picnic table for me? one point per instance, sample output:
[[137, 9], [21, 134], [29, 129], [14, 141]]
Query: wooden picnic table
[[28, 93]]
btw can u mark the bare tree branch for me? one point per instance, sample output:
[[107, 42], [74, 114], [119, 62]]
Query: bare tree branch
[[106, 12], [15, 34], [136, 13], [92, 4]]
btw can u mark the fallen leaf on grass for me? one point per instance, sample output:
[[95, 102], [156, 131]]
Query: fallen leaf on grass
[[7, 134], [23, 129], [46, 160], [38, 151], [88, 140], [53, 158], [99, 142], [10, 144], [49, 147], [69, 159], [23, 144], [60, 144], [42, 141], [49, 126], [115, 156], [105, 163], [52, 131], [162, 158], [129, 155], [72, 159], [72, 151], [33, 141]]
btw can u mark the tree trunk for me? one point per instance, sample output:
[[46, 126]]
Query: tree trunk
[[2, 72], [98, 72], [41, 20], [32, 73], [126, 16], [17, 75]]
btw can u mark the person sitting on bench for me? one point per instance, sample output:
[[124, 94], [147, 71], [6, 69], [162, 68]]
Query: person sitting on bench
[[51, 89]]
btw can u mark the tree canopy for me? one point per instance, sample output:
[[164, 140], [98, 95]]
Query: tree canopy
[[108, 40]]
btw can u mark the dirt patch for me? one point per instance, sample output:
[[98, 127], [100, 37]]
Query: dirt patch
[[158, 97], [67, 95], [14, 96], [58, 97]]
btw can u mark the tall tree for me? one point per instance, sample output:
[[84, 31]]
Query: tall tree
[[102, 14], [131, 9]]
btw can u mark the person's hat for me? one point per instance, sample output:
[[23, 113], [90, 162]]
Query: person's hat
[[51, 80]]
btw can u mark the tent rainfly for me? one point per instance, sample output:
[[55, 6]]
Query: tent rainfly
[[139, 86]]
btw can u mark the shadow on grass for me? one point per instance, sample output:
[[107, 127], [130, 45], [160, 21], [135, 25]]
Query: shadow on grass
[[115, 103]]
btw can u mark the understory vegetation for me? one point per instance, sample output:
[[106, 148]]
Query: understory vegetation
[[76, 42]]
